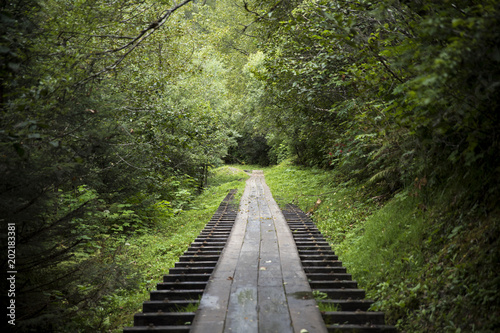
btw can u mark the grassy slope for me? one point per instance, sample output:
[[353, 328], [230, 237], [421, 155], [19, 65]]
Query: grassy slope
[[430, 266]]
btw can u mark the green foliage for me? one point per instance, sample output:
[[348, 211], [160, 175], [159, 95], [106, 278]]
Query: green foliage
[[303, 189], [388, 91], [324, 307], [251, 149], [116, 265], [114, 113], [429, 264], [188, 308], [111, 116], [390, 239], [401, 100]]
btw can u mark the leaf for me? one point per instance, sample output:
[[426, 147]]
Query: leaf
[[19, 149]]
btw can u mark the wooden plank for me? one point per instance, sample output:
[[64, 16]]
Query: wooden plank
[[259, 284], [211, 314], [303, 310], [273, 308]]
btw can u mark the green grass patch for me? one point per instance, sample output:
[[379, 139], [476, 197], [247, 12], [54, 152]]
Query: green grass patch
[[300, 186], [388, 242], [324, 307], [193, 307]]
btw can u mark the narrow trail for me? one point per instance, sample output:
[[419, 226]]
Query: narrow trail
[[254, 270], [259, 285]]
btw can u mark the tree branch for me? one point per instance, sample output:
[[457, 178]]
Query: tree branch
[[132, 45]]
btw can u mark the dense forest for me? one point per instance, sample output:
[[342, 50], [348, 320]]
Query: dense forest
[[114, 113]]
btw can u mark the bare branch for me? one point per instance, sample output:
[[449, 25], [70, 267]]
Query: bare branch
[[131, 165], [73, 33], [149, 30], [132, 45]]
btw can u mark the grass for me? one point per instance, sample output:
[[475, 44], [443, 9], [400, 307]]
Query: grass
[[328, 307], [389, 240], [153, 253], [430, 268], [324, 307], [426, 262], [192, 307]]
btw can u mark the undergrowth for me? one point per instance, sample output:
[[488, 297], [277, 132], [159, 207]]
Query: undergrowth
[[152, 253], [430, 263]]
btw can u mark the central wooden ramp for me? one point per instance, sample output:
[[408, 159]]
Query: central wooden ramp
[[259, 284]]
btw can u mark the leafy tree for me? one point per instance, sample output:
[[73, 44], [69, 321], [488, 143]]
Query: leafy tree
[[394, 84], [106, 111], [399, 95]]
